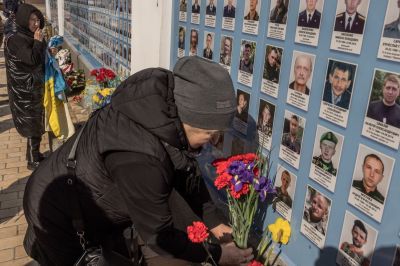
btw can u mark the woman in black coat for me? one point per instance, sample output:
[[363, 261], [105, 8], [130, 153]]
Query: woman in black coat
[[24, 52]]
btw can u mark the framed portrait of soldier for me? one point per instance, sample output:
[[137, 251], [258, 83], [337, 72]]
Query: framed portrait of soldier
[[229, 15], [181, 41], [300, 80], [316, 213], [211, 11], [292, 138], [196, 8], [338, 91], [278, 15], [272, 70], [382, 118], [325, 160], [183, 10], [309, 22], [357, 242], [251, 17], [265, 123], [371, 181], [208, 51], [389, 47], [194, 42], [349, 25], [242, 111], [246, 62], [285, 186], [225, 54]]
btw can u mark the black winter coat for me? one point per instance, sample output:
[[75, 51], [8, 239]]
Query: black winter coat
[[25, 59], [130, 158]]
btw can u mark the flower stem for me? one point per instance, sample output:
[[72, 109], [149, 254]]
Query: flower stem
[[209, 254]]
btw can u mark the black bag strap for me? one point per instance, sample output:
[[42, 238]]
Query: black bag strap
[[77, 220]]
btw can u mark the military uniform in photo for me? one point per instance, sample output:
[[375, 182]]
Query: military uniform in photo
[[328, 167], [285, 198], [353, 24], [392, 30], [294, 146], [308, 20], [376, 195], [319, 226], [271, 73]]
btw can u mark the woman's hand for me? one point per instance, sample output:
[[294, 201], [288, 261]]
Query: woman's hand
[[38, 35], [234, 256]]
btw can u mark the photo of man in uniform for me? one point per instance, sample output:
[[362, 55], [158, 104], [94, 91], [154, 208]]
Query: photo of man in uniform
[[272, 64], [350, 20], [359, 239], [211, 9], [181, 42], [318, 211], [252, 15], [291, 139], [372, 169], [310, 17], [246, 63], [196, 7], [392, 30], [302, 70], [229, 10], [226, 51], [327, 144], [183, 6], [242, 108], [387, 110], [282, 193], [340, 79], [279, 13], [194, 39], [207, 52]]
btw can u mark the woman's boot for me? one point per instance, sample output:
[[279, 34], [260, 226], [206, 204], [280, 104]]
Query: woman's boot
[[33, 155]]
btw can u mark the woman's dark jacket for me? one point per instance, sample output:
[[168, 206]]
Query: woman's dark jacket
[[25, 74], [130, 158]]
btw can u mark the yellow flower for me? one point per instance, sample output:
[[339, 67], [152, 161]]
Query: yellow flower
[[96, 98], [280, 231]]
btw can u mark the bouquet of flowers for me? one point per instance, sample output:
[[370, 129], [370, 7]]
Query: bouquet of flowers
[[105, 77]]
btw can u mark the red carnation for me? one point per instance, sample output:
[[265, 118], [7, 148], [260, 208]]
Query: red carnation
[[254, 263], [93, 72], [198, 232], [222, 180], [245, 190], [247, 157]]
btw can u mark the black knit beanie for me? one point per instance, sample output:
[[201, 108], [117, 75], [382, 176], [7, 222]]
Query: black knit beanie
[[203, 93]]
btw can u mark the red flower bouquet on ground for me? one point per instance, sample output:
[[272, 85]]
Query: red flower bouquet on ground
[[246, 179]]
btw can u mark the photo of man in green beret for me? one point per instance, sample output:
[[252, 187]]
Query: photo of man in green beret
[[328, 142]]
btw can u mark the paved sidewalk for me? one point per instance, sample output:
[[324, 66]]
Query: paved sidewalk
[[13, 177]]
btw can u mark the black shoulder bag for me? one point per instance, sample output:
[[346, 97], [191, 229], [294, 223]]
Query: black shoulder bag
[[92, 255]]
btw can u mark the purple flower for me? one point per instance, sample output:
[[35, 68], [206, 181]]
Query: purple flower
[[264, 187], [242, 173]]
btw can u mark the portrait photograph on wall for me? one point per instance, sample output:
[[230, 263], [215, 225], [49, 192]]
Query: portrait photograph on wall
[[309, 21], [181, 41], [251, 17], [196, 8], [285, 186], [194, 42], [317, 208], [208, 51], [382, 118], [350, 20], [326, 157], [211, 12], [242, 111], [183, 10], [357, 242], [338, 91], [389, 47], [292, 138], [371, 181], [277, 19], [229, 15], [246, 62], [272, 70], [300, 80], [265, 123], [225, 54]]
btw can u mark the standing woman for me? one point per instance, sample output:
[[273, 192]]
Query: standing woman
[[24, 52]]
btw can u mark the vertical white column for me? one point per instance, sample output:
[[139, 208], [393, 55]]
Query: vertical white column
[[151, 34], [60, 9], [48, 10]]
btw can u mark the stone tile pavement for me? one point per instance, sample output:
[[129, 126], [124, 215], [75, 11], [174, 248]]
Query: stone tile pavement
[[13, 177]]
